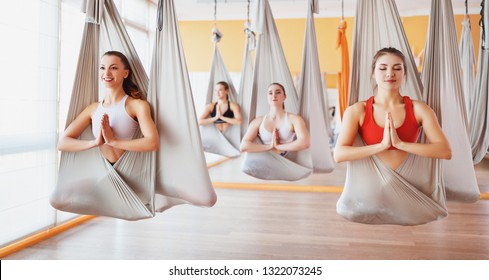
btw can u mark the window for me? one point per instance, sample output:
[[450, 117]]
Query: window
[[28, 115]]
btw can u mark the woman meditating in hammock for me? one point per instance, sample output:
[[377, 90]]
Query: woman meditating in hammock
[[392, 176], [116, 118], [279, 130], [388, 122], [222, 113]]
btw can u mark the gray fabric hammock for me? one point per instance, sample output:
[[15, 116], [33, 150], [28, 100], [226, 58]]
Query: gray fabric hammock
[[479, 117], [246, 81], [443, 91], [467, 58], [271, 66], [87, 183], [139, 183], [312, 103], [373, 193], [214, 141], [181, 169]]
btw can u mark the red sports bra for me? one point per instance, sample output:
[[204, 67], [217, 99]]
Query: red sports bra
[[373, 134]]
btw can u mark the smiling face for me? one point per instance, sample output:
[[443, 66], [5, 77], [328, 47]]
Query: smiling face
[[112, 71], [221, 91], [276, 95], [389, 72]]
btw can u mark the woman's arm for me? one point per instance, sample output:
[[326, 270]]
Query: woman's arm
[[438, 146], [69, 141], [204, 118], [344, 151], [150, 140], [237, 115], [302, 140], [248, 145]]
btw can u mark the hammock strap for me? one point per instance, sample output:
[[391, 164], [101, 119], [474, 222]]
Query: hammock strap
[[215, 12], [483, 27], [160, 15]]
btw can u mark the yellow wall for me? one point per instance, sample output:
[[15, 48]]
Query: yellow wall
[[198, 46], [417, 27]]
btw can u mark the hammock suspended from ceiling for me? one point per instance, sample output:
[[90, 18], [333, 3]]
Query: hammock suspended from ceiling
[[271, 66], [139, 183], [246, 81], [224, 143], [373, 193], [467, 58], [312, 103], [181, 169], [443, 91], [479, 117]]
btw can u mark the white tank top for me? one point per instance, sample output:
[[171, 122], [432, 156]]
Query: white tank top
[[285, 134], [123, 126]]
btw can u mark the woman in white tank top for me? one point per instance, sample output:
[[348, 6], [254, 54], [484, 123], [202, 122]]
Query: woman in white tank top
[[278, 130], [116, 118]]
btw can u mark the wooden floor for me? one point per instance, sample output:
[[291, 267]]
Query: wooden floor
[[251, 224]]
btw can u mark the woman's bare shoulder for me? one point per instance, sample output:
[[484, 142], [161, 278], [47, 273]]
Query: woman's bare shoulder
[[422, 110], [420, 104], [137, 103], [294, 117], [210, 105], [91, 108], [135, 107], [356, 109]]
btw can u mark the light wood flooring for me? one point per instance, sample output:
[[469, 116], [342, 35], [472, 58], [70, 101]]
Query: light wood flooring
[[254, 224]]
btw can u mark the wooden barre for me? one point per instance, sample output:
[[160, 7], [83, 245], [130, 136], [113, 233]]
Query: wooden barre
[[43, 235], [292, 188]]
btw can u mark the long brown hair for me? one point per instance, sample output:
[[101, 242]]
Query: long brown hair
[[129, 86]]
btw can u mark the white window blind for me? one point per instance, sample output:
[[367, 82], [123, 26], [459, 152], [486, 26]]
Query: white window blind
[[28, 115], [39, 54]]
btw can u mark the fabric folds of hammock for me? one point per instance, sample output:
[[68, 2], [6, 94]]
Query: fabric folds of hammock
[[401, 196], [467, 58], [265, 166], [479, 117], [181, 170], [312, 104], [270, 63], [270, 66], [373, 193], [246, 82], [87, 183], [443, 91], [213, 140]]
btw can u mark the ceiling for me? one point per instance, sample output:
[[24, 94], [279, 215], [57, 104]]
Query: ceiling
[[237, 9]]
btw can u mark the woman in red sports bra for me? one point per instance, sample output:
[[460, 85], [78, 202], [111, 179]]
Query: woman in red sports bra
[[388, 122]]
